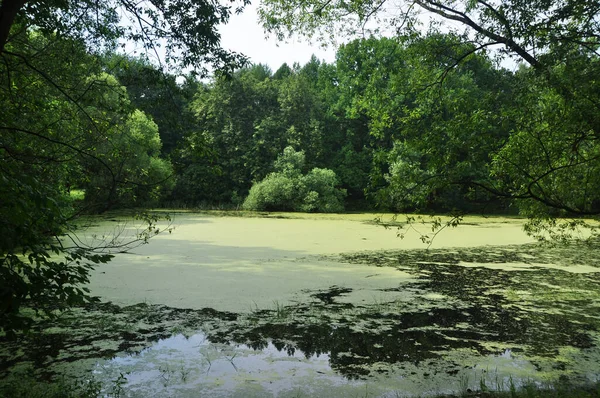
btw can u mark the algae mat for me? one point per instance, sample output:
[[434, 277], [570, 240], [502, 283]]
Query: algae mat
[[235, 263], [327, 306]]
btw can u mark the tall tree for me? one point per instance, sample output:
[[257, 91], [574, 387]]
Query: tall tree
[[157, 93], [558, 40], [60, 117], [238, 117]]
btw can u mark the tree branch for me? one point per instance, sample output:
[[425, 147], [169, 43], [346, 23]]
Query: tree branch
[[61, 143], [455, 15]]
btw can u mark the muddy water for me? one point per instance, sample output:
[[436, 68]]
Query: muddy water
[[330, 306]]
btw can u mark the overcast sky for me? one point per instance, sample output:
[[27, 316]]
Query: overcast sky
[[244, 34]]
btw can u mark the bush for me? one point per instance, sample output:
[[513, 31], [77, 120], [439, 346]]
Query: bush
[[289, 190], [321, 194], [275, 192]]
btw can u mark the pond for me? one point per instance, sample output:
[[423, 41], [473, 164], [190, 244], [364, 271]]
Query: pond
[[327, 305], [238, 263]]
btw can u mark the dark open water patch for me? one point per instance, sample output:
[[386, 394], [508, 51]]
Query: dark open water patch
[[328, 296], [454, 319], [99, 331]]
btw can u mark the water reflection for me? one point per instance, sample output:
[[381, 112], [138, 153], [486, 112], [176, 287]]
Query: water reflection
[[195, 364]]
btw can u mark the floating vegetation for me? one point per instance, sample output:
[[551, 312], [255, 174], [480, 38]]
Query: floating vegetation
[[468, 318]]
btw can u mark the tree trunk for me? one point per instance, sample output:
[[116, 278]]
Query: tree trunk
[[8, 12]]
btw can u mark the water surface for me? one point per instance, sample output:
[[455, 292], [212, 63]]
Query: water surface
[[330, 306]]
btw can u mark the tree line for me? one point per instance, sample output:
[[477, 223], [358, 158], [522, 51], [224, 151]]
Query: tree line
[[422, 122], [418, 123]]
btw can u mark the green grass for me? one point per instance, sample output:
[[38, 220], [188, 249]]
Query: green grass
[[560, 389]]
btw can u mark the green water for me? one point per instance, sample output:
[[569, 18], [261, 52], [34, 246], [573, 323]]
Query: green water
[[327, 307]]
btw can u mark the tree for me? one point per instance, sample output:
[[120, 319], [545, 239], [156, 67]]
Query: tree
[[534, 31], [302, 112], [368, 109], [283, 72], [40, 133], [129, 154], [559, 42], [61, 118], [551, 161], [445, 137], [238, 117], [186, 29], [158, 94]]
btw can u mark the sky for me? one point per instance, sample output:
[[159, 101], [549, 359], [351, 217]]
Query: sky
[[244, 34]]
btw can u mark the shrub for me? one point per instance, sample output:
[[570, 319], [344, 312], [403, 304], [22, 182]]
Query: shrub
[[289, 190], [321, 194], [275, 192]]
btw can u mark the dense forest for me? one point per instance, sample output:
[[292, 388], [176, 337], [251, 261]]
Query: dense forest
[[394, 124], [398, 126], [415, 122]]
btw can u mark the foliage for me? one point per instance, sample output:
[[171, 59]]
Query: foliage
[[551, 161], [446, 134], [531, 30], [235, 118], [38, 270], [276, 192], [531, 136], [361, 118], [419, 122], [66, 123], [157, 94], [323, 194], [131, 173], [187, 30], [245, 121], [289, 190], [290, 162]]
